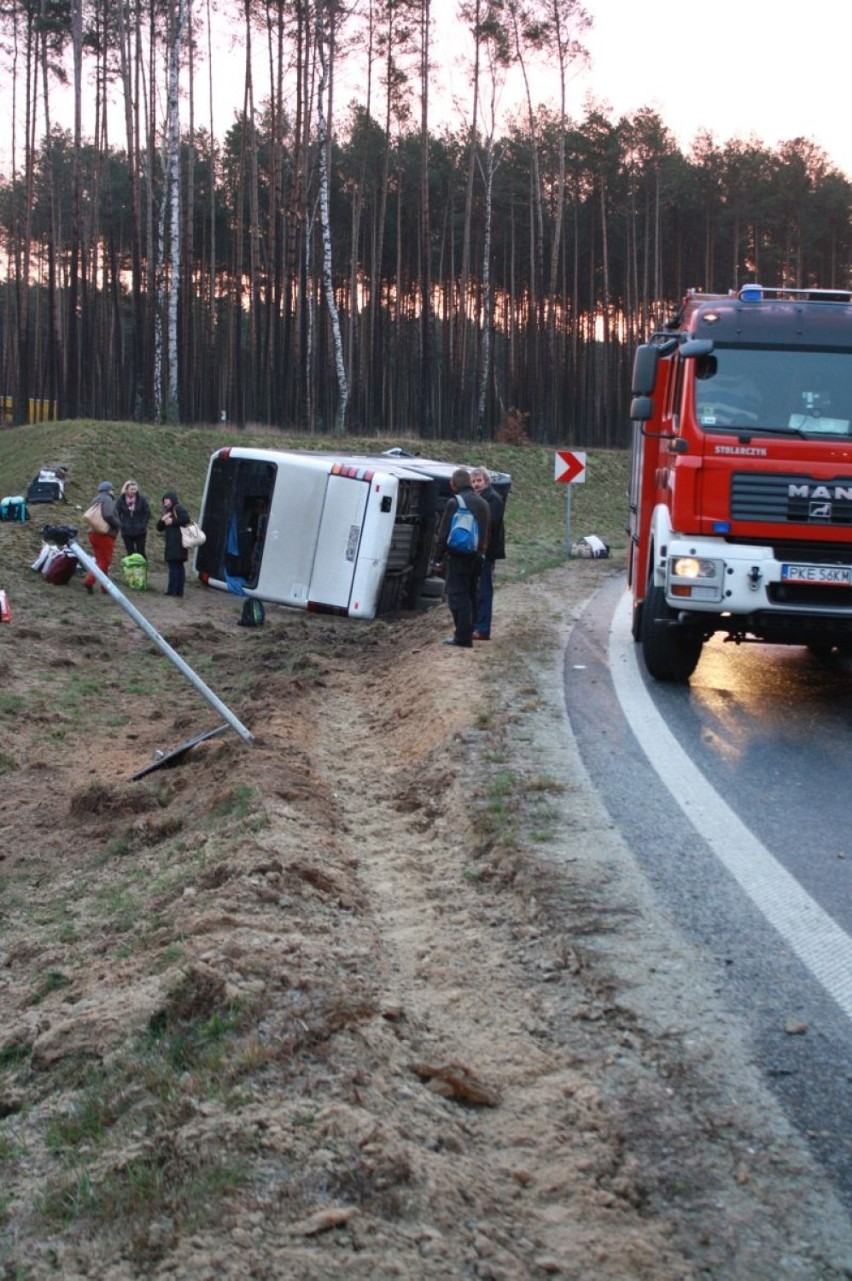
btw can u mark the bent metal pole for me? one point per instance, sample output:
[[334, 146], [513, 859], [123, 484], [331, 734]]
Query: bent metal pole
[[140, 619]]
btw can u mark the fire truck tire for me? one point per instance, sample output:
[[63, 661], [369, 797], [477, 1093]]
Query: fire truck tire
[[670, 653]]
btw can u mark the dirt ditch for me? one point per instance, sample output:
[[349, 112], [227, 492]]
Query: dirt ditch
[[380, 995]]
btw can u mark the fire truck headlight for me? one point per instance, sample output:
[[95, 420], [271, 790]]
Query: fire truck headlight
[[691, 567], [695, 578]]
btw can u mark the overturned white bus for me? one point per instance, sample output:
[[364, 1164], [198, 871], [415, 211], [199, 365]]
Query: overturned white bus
[[334, 533]]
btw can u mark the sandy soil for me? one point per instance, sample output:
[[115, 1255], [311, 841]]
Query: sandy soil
[[382, 994]]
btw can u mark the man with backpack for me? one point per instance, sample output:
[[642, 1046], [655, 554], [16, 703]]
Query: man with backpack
[[461, 550]]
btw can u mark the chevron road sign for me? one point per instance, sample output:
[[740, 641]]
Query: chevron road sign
[[570, 470], [570, 467]]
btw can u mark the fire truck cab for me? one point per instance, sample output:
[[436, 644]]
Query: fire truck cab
[[740, 506]]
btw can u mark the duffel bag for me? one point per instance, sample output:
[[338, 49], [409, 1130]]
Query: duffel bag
[[61, 568]]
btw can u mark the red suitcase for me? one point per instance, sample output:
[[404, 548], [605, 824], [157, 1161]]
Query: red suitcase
[[61, 569]]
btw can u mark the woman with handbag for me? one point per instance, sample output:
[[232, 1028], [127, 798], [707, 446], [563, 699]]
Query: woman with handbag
[[173, 519], [134, 513], [103, 525]]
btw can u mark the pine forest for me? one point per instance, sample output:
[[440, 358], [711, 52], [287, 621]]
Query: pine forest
[[370, 263]]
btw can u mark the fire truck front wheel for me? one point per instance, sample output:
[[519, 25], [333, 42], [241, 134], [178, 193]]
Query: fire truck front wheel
[[670, 653]]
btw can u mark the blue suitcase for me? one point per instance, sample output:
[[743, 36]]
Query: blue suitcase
[[14, 508]]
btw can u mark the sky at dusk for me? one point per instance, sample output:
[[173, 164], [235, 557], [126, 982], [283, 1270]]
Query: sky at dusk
[[736, 68]]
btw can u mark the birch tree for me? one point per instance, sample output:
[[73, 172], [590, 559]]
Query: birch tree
[[324, 36], [173, 125]]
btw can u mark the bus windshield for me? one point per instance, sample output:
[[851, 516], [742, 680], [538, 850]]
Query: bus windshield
[[784, 391]]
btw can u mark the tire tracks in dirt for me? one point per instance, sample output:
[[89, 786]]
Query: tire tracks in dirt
[[631, 1136], [545, 1182]]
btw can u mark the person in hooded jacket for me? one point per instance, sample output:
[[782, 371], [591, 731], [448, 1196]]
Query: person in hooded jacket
[[103, 545], [134, 514], [174, 516]]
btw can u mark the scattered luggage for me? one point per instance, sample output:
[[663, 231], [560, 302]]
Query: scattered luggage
[[13, 508], [43, 556], [135, 570], [60, 569], [48, 486], [591, 548], [253, 615]]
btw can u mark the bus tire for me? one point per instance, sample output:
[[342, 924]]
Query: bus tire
[[431, 592]]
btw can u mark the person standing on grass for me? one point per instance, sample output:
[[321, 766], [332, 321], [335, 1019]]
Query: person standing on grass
[[175, 554], [480, 483], [134, 514], [463, 569], [103, 544]]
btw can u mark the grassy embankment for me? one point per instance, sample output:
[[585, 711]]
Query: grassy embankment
[[163, 458]]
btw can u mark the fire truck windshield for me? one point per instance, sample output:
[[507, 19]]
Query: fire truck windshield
[[784, 391]]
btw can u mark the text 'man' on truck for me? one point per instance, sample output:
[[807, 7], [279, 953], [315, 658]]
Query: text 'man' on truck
[[741, 482], [332, 533]]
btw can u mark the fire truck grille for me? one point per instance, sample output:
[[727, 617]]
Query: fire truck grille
[[790, 499], [814, 553], [804, 594]]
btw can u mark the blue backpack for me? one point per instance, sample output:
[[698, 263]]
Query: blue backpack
[[463, 538]]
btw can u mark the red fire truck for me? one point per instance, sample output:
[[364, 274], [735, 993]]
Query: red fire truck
[[741, 486]]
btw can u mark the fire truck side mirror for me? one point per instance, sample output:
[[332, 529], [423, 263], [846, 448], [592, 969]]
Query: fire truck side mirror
[[645, 364], [641, 409]]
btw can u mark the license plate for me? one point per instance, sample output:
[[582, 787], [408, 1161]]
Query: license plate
[[352, 543], [823, 575]]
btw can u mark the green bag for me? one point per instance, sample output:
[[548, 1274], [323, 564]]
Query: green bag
[[135, 569]]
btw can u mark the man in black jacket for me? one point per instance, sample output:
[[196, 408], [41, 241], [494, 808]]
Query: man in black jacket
[[463, 569], [480, 480]]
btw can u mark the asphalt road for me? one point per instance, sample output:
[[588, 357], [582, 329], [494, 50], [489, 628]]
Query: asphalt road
[[734, 795]]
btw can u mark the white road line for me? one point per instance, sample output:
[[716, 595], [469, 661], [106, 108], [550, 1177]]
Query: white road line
[[817, 940]]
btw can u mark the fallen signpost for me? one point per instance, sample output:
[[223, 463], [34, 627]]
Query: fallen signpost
[[66, 536]]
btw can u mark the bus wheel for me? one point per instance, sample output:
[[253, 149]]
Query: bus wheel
[[431, 592], [670, 653]]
